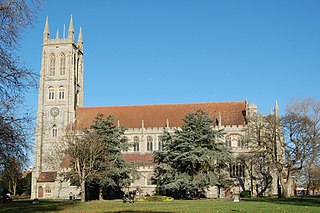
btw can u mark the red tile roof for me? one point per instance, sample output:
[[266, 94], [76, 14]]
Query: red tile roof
[[145, 159], [232, 113], [47, 177]]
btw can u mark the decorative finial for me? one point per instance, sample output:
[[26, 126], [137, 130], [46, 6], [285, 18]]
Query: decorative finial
[[71, 29], [57, 34], [46, 32]]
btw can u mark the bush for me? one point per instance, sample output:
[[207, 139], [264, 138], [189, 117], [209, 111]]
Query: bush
[[154, 198], [245, 194]]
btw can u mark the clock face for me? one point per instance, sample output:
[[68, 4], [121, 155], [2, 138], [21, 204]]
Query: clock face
[[54, 111]]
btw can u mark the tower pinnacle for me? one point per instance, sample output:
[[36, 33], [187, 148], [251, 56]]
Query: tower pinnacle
[[276, 109], [71, 30], [57, 34], [46, 33]]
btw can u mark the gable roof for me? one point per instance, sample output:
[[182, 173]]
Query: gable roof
[[232, 113], [47, 177]]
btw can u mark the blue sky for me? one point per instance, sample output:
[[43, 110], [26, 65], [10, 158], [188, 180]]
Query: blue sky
[[185, 51]]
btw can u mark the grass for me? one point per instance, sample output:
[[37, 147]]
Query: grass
[[116, 206]]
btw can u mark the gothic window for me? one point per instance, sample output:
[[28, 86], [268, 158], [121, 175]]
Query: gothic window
[[48, 190], [160, 143], [62, 64], [54, 131], [52, 65], [236, 170], [149, 144], [151, 181], [51, 93], [228, 142], [240, 143], [61, 93], [136, 144]]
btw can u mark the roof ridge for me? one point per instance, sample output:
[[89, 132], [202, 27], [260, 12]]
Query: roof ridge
[[170, 104]]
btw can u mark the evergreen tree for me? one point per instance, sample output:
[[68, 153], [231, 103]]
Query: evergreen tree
[[192, 158], [119, 174]]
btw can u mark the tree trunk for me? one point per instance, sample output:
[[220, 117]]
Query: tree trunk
[[287, 187], [14, 187], [100, 193], [83, 191]]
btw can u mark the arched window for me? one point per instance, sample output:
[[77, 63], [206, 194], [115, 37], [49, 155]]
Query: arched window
[[54, 131], [160, 143], [136, 147], [62, 64], [236, 170], [51, 93], [48, 190], [240, 143], [61, 93], [52, 65], [228, 141], [149, 144]]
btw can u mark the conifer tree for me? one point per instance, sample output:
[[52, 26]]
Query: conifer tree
[[193, 157]]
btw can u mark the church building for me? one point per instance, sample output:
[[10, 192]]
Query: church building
[[61, 104]]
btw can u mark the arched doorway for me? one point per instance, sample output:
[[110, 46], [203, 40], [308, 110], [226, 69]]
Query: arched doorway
[[40, 192]]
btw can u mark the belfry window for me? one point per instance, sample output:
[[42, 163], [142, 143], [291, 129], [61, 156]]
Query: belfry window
[[149, 144], [52, 65], [50, 93], [62, 64], [61, 93], [136, 147], [54, 131]]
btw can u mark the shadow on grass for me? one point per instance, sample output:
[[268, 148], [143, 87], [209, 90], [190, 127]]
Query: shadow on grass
[[52, 206], [43, 205], [298, 201]]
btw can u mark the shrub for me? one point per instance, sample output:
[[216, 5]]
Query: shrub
[[245, 193], [154, 198]]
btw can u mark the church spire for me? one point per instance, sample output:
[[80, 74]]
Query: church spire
[[46, 33], [71, 30]]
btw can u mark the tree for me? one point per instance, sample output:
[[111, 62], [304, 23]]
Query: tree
[[119, 174], [96, 157], [301, 126], [287, 142], [15, 17], [11, 175], [192, 158]]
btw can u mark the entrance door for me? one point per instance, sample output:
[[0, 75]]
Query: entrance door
[[40, 192]]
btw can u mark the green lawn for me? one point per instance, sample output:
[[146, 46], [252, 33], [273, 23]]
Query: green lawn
[[254, 205]]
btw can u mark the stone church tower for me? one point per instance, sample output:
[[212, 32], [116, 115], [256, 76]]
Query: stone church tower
[[61, 91]]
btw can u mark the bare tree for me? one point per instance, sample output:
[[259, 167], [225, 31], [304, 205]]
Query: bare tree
[[301, 126], [96, 158], [11, 175], [84, 151], [287, 142], [15, 79]]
